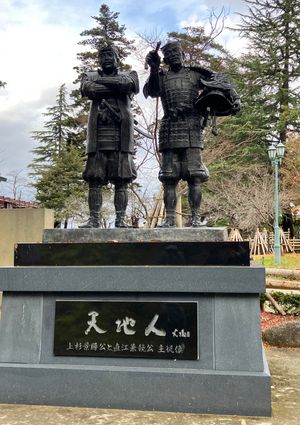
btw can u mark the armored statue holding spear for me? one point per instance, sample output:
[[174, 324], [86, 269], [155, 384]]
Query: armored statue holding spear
[[190, 95]]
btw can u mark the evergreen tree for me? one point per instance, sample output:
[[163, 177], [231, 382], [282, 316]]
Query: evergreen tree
[[58, 158], [242, 139], [58, 133], [265, 78], [290, 169], [200, 47], [272, 65], [61, 184], [106, 32]]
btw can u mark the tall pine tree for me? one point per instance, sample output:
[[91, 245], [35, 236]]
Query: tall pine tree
[[106, 32], [58, 159], [56, 135], [60, 186], [201, 47], [272, 64], [266, 78]]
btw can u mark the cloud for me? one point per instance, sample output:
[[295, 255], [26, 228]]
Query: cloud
[[16, 124], [34, 54], [228, 38], [169, 14], [162, 14]]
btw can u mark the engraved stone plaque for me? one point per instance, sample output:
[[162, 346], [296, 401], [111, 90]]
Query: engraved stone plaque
[[157, 330]]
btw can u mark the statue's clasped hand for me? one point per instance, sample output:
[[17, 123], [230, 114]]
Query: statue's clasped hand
[[153, 60]]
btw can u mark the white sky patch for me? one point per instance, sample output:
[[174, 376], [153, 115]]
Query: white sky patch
[[231, 40], [154, 6], [34, 58], [197, 19]]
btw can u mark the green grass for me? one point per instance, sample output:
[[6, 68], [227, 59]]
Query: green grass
[[288, 261]]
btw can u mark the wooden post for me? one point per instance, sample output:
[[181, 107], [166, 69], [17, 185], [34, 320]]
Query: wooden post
[[179, 211]]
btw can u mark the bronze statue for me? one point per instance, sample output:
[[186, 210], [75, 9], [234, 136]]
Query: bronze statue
[[110, 134], [186, 114]]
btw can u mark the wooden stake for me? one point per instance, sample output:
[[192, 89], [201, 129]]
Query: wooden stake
[[275, 304]]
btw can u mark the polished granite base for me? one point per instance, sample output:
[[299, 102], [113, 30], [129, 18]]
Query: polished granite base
[[133, 254]]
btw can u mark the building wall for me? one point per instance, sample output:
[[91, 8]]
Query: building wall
[[21, 225]]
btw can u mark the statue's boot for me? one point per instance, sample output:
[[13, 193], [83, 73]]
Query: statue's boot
[[170, 204], [95, 202], [196, 219], [120, 201], [194, 197], [170, 220], [120, 219], [93, 222]]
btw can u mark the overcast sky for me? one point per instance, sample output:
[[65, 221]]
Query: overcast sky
[[38, 46]]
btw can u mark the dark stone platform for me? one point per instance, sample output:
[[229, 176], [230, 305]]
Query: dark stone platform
[[133, 254]]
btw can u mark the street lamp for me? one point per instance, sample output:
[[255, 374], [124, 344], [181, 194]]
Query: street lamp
[[276, 153]]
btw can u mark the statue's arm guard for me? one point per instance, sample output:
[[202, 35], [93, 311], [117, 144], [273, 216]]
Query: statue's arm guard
[[93, 89], [124, 83], [152, 87]]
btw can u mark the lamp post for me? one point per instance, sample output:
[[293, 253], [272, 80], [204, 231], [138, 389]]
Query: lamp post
[[276, 153]]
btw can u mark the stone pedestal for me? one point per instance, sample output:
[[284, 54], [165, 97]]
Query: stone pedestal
[[184, 234], [229, 376]]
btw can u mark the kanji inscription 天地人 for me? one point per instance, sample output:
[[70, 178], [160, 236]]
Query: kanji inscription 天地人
[[167, 330]]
